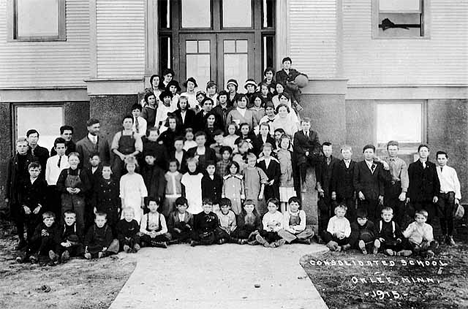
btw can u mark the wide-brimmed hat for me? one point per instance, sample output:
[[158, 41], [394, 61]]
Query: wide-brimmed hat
[[232, 81], [250, 82], [190, 79]]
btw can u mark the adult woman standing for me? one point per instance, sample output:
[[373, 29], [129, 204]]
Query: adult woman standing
[[125, 143]]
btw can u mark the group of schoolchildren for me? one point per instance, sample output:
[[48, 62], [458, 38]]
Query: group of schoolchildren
[[387, 187], [209, 168]]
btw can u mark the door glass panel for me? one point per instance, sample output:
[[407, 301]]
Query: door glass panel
[[198, 66], [241, 46], [203, 46], [196, 13], [268, 13], [229, 46], [164, 14], [235, 66], [237, 13], [191, 46]]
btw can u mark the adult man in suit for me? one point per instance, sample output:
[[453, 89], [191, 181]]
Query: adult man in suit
[[93, 143], [323, 171], [424, 184], [370, 176], [342, 185], [307, 150]]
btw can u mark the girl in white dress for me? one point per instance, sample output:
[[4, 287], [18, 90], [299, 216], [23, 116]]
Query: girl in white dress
[[192, 191], [133, 190]]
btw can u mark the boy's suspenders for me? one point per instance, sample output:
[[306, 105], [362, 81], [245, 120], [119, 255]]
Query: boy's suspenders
[[393, 227], [147, 222]]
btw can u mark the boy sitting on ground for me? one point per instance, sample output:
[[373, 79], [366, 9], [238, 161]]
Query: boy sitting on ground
[[420, 237], [42, 241], [99, 241], [295, 229], [362, 233], [336, 236], [227, 221], [180, 222], [389, 236], [205, 225], [272, 223], [153, 229], [127, 231], [70, 238]]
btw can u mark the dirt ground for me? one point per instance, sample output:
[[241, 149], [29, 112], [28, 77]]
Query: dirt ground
[[353, 280], [77, 284]]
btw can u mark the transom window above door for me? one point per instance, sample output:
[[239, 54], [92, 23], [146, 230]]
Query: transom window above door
[[216, 39]]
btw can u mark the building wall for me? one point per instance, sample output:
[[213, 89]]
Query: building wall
[[312, 37], [120, 38], [440, 59], [47, 64]]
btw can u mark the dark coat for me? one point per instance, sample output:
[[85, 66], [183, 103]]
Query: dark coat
[[324, 172], [33, 194], [212, 188], [85, 147], [303, 144], [183, 165], [273, 172], [210, 155], [174, 221], [17, 173], [370, 184], [158, 150], [189, 119], [423, 182], [258, 143], [41, 154], [155, 181], [343, 180], [357, 229]]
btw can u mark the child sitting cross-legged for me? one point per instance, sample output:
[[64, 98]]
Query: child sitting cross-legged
[[272, 223], [99, 241], [295, 229], [389, 236], [336, 236], [249, 225], [420, 237], [153, 229], [70, 238], [42, 241], [227, 221], [128, 231], [363, 233], [205, 225], [180, 222]]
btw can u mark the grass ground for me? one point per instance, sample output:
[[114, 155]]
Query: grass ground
[[77, 284], [375, 283]]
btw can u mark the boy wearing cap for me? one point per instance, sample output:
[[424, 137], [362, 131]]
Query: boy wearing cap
[[369, 178]]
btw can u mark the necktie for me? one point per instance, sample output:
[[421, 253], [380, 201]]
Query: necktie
[[60, 160], [137, 125], [373, 168], [441, 168]]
